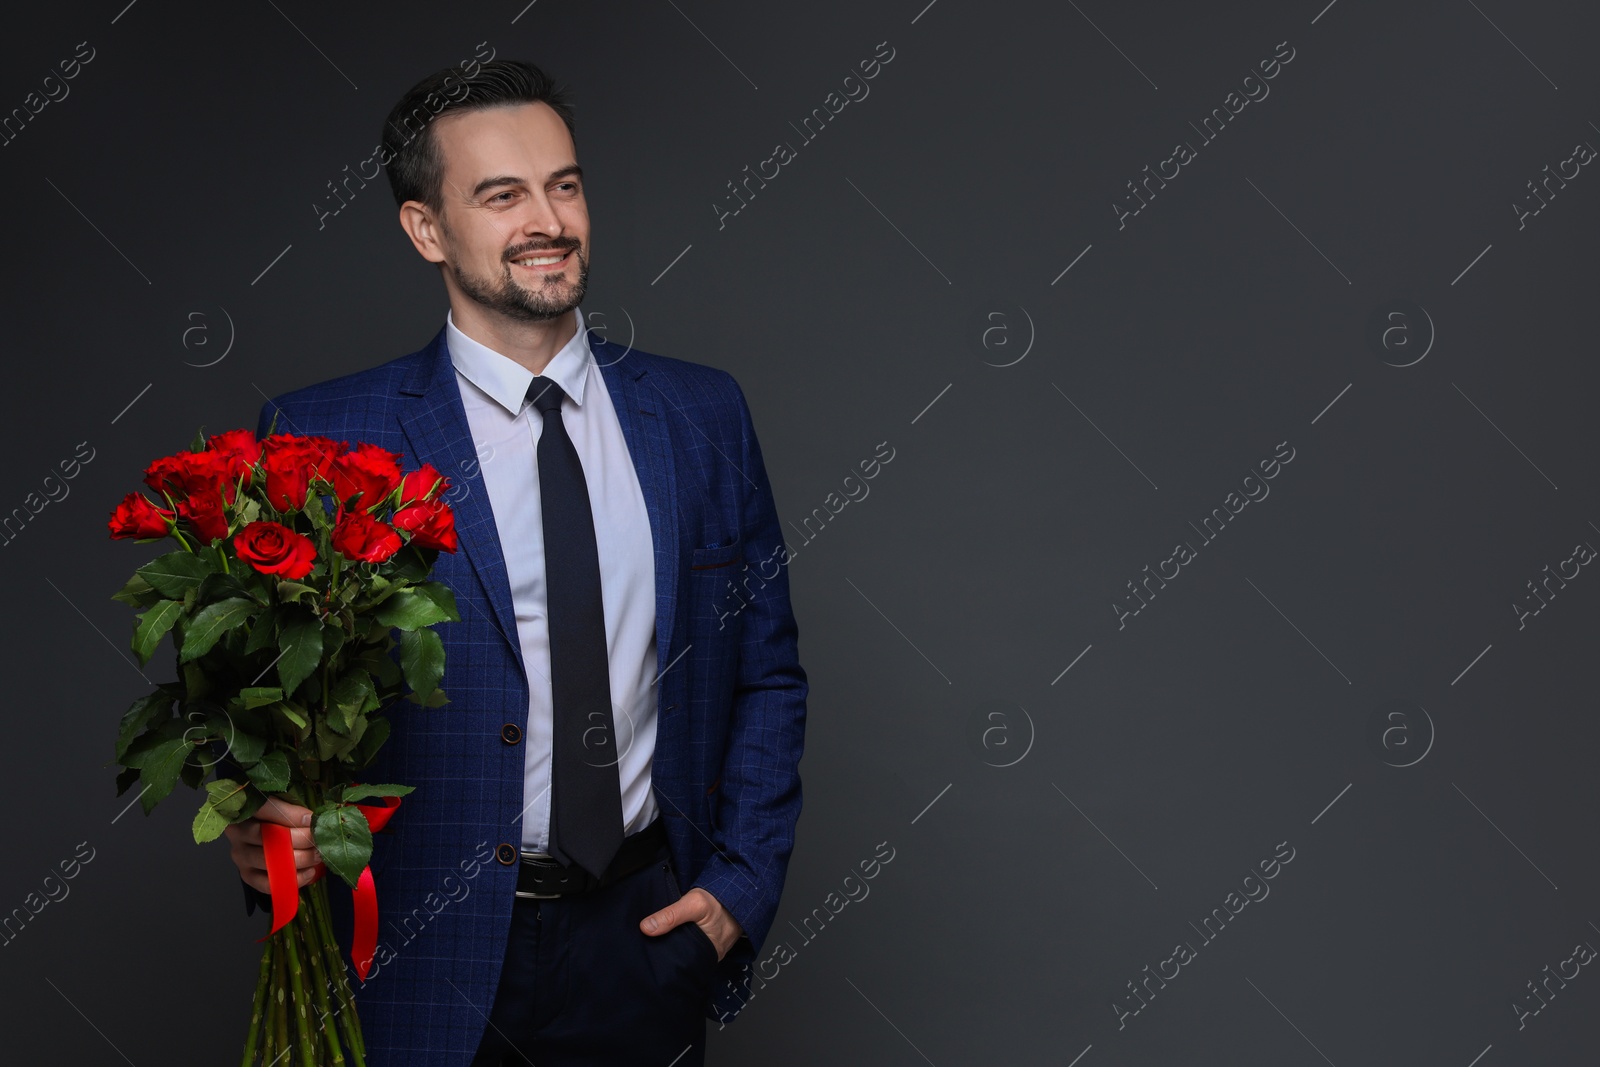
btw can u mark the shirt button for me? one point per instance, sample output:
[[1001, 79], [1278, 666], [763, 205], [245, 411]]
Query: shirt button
[[505, 853], [511, 733]]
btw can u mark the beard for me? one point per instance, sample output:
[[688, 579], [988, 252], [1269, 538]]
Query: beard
[[552, 299]]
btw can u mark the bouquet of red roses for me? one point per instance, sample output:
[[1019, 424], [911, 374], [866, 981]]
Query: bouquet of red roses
[[299, 560]]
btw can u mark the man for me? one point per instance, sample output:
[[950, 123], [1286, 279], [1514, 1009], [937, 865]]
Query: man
[[605, 810]]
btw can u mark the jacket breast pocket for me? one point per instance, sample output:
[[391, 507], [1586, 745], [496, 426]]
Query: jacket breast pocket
[[717, 559]]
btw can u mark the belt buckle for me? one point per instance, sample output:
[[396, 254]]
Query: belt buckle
[[540, 859]]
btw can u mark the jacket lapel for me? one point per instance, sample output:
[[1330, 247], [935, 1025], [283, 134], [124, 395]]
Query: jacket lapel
[[644, 426], [435, 424]]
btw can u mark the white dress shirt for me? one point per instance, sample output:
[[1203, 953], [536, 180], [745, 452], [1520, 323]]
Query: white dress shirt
[[506, 429]]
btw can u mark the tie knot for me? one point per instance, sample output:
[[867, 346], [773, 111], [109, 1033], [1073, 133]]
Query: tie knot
[[545, 394]]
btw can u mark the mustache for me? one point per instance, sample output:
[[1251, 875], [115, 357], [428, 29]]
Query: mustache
[[568, 245]]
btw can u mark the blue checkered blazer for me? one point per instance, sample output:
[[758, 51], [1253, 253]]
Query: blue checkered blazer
[[732, 693]]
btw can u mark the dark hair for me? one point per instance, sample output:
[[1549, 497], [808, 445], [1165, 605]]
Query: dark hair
[[414, 163]]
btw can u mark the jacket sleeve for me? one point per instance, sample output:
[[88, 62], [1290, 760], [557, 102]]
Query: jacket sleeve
[[759, 798]]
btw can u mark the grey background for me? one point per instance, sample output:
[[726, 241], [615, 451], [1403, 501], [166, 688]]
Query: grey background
[[855, 300]]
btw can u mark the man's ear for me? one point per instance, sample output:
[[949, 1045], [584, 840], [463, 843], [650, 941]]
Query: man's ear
[[423, 229]]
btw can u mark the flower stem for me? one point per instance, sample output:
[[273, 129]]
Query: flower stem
[[258, 1007], [172, 525], [333, 585], [349, 1019], [280, 1010], [316, 950], [316, 897], [302, 1021]]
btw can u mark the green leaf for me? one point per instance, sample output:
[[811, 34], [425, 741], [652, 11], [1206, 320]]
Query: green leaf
[[344, 838], [196, 684], [441, 595], [300, 640], [349, 590], [271, 773], [260, 696], [334, 745], [192, 774], [229, 795], [375, 590], [291, 592], [387, 671], [435, 699], [143, 711], [411, 563], [289, 711], [320, 508], [140, 749], [263, 634], [211, 622], [125, 778], [153, 626], [377, 733], [138, 593], [159, 773], [220, 586], [243, 746], [332, 640], [362, 792], [352, 695], [175, 573], [375, 659], [422, 660], [226, 802], [409, 609]]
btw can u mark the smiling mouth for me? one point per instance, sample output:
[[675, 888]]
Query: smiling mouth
[[543, 260]]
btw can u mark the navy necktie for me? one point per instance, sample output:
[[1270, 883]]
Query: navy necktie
[[585, 791]]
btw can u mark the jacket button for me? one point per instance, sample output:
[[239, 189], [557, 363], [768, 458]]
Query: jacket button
[[511, 733], [505, 853]]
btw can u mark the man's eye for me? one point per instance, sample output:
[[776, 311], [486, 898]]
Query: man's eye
[[500, 196]]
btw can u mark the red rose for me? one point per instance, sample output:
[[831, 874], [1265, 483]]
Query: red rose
[[361, 537], [424, 483], [324, 449], [203, 512], [290, 463], [241, 441], [241, 449], [431, 522], [272, 548], [191, 473], [137, 517], [368, 471]]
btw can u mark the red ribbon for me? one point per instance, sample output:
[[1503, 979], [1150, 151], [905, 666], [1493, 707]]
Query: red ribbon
[[283, 882], [281, 878], [364, 897]]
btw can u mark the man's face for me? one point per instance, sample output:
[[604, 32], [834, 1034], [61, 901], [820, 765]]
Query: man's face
[[514, 228]]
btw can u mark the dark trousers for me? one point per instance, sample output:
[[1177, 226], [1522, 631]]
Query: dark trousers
[[582, 984]]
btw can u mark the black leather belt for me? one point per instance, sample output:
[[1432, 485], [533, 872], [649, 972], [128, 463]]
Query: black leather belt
[[539, 877]]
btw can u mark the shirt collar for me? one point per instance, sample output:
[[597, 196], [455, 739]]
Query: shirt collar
[[505, 380]]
